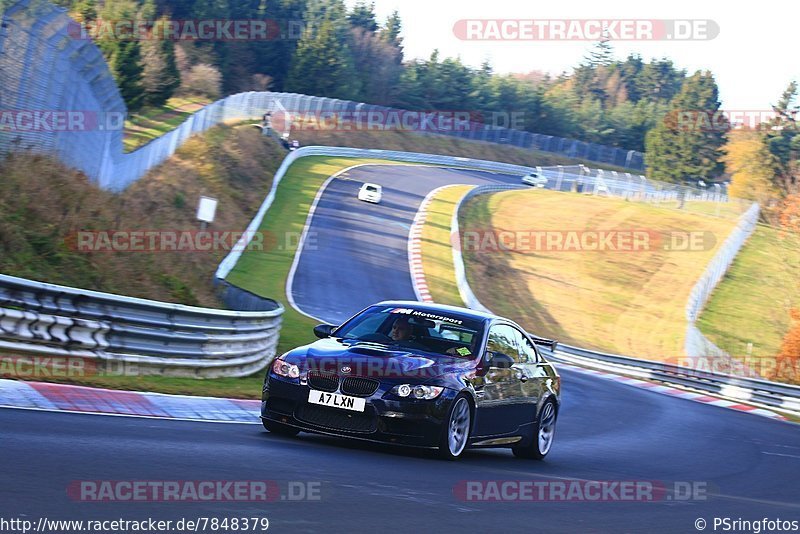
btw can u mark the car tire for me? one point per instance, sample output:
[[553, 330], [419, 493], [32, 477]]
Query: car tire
[[543, 438], [456, 430], [279, 428]]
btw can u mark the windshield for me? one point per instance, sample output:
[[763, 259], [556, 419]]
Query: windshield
[[415, 329]]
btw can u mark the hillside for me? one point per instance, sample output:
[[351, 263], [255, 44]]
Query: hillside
[[749, 313], [628, 300], [45, 208]]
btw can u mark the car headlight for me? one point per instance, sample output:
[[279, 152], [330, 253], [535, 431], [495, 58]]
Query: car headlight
[[417, 392], [281, 368]]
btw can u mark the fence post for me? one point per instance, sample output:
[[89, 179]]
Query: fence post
[[560, 177]]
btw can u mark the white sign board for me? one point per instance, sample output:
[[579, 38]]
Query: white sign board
[[206, 209]]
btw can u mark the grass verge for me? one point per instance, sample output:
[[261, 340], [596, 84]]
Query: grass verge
[[266, 273], [42, 213], [152, 122], [629, 302], [748, 313], [437, 252]]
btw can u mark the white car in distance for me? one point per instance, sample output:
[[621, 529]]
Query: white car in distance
[[534, 179], [370, 193]]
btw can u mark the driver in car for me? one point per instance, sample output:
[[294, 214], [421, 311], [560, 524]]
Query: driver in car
[[401, 329], [401, 333]]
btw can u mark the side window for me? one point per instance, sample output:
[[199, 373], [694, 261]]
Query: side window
[[503, 339], [526, 349]]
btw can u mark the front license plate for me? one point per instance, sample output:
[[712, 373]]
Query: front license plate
[[335, 400]]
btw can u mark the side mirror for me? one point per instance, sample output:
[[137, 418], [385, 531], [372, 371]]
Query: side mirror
[[323, 330], [498, 360]]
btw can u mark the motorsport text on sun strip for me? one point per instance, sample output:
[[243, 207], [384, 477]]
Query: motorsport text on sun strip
[[424, 315]]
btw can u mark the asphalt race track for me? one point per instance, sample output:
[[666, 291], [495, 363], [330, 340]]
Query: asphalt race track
[[607, 432], [356, 252], [744, 466]]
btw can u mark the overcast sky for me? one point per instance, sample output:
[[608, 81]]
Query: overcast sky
[[754, 57]]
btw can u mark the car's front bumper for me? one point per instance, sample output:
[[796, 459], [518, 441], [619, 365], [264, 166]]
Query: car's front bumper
[[406, 422]]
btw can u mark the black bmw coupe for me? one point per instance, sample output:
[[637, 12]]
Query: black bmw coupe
[[423, 375]]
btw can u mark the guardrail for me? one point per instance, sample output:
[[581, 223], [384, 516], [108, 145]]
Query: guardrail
[[126, 335], [774, 394]]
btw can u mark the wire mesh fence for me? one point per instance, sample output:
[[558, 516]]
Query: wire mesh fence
[[584, 179], [58, 96]]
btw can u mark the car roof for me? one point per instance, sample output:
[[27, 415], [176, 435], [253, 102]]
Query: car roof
[[368, 184], [433, 307]]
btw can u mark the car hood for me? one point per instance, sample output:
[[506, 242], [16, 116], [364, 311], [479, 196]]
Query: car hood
[[375, 361]]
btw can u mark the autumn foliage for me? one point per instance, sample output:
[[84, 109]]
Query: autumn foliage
[[790, 213], [751, 166], [788, 360]]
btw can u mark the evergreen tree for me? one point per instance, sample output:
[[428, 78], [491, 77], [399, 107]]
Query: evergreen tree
[[590, 76], [602, 54], [783, 139], [689, 149], [391, 34], [481, 93], [629, 70], [160, 76], [323, 65], [392, 28], [271, 57], [659, 80], [319, 11], [378, 68], [345, 53], [123, 54], [363, 16]]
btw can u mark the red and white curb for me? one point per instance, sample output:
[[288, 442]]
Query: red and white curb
[[80, 399], [675, 392], [415, 246]]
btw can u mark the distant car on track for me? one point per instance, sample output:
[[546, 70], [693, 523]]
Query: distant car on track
[[370, 193], [534, 179], [419, 374]]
